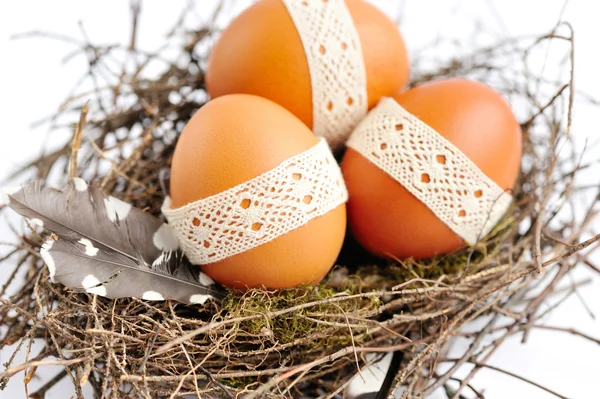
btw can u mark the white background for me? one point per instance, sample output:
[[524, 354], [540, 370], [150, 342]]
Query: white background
[[33, 81]]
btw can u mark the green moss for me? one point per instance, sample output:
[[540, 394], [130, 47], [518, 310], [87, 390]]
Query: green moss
[[451, 265], [299, 323]]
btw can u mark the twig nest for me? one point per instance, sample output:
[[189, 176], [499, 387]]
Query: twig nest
[[256, 198], [327, 62], [431, 169]]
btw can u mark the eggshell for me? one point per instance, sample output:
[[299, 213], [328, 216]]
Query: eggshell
[[387, 219], [261, 53], [231, 140]]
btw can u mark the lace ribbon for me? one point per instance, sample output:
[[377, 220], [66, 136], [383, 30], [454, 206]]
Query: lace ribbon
[[335, 61], [261, 209], [432, 169]]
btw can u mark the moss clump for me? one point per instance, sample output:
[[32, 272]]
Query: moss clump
[[292, 315], [465, 261]]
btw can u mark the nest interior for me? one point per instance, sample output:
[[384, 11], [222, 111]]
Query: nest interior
[[308, 341]]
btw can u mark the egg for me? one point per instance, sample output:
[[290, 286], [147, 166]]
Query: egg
[[456, 146], [327, 62], [255, 198]]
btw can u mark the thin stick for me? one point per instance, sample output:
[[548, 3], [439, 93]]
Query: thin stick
[[534, 305], [471, 387], [149, 349], [76, 143], [478, 364], [568, 330], [114, 334], [12, 371], [589, 264], [212, 379], [41, 392]]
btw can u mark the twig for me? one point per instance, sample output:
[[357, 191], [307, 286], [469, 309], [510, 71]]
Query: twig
[[471, 387], [215, 382], [568, 330], [535, 303], [468, 353], [591, 265], [573, 250], [149, 349], [41, 392], [114, 334], [135, 7], [12, 371], [76, 144], [478, 364]]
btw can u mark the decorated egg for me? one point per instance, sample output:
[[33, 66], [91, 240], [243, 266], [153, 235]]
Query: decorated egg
[[326, 61], [432, 169], [256, 199]]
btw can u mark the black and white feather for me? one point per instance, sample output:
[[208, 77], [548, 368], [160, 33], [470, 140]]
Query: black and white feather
[[375, 380], [108, 247]]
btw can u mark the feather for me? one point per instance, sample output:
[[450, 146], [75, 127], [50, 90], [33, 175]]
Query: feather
[[375, 380], [109, 247]]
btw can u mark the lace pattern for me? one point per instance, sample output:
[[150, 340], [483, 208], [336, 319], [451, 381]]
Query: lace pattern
[[337, 71], [259, 210], [432, 169]]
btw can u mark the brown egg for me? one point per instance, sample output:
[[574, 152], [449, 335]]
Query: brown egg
[[261, 53], [236, 138], [390, 221]]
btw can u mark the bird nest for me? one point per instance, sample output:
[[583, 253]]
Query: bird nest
[[308, 341]]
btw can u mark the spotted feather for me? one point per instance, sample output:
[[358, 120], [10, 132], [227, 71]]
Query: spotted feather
[[108, 247]]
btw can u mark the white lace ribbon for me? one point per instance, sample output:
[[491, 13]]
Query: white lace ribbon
[[335, 61], [432, 169], [261, 209]]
